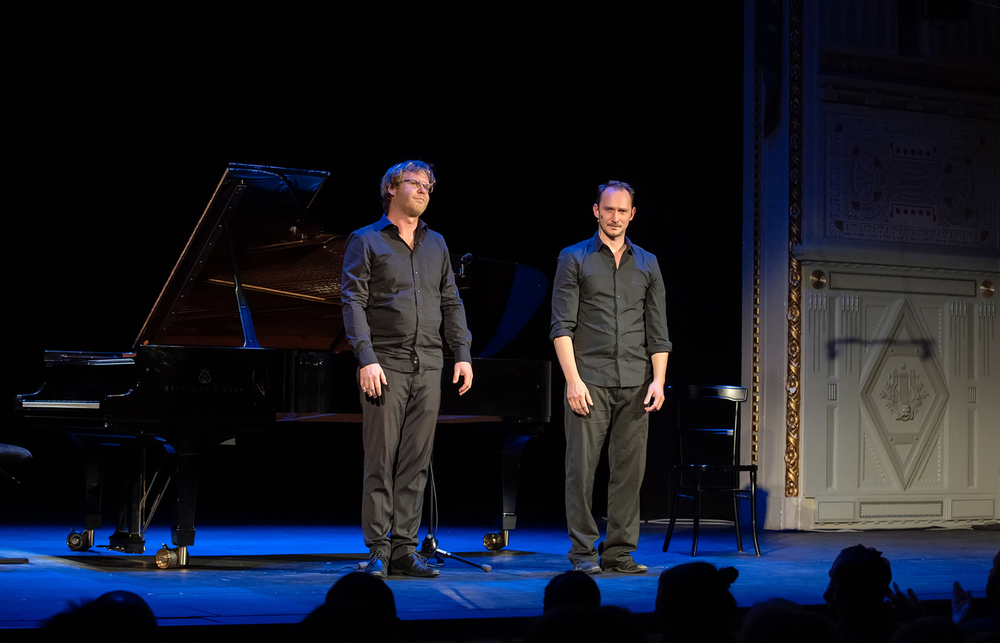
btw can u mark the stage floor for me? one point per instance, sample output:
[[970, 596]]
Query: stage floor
[[253, 574]]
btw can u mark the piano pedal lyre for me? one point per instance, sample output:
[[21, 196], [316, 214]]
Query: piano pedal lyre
[[168, 558], [80, 540], [495, 541]]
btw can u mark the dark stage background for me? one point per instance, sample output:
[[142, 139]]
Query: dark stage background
[[124, 122]]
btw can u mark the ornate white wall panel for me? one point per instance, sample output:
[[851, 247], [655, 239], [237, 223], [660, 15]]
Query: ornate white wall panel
[[873, 237], [910, 181], [891, 417]]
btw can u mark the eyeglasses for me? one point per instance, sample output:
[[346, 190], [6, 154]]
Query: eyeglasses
[[428, 187]]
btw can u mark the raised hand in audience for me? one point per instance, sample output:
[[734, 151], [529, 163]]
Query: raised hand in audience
[[961, 603]]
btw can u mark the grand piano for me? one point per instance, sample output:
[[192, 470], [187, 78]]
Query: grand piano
[[247, 335]]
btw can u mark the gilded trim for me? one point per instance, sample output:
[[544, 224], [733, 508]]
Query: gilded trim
[[792, 387], [755, 371]]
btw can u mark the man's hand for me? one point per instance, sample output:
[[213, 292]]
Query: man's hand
[[463, 370], [371, 378], [576, 391], [654, 397], [579, 398]]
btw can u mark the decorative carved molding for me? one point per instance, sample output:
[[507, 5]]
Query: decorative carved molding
[[959, 336], [909, 71], [972, 440], [934, 316], [905, 180], [871, 466], [832, 448], [939, 103], [817, 329], [902, 284], [901, 509], [874, 314], [884, 268], [903, 393], [849, 308], [987, 333], [933, 472], [792, 386], [903, 390]]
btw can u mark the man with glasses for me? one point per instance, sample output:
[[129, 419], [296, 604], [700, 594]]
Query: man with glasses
[[397, 288], [609, 329]]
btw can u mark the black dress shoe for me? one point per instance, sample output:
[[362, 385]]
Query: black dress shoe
[[377, 566], [627, 566], [413, 565], [587, 567]]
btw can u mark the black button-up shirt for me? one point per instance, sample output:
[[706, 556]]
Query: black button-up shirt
[[395, 299], [616, 316]]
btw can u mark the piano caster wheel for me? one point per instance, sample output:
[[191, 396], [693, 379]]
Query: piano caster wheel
[[495, 541], [80, 540], [168, 558]]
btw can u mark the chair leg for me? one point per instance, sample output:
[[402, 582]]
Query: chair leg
[[673, 509], [697, 512], [753, 510], [736, 519]]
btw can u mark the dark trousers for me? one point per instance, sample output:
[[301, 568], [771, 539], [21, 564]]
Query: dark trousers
[[617, 415], [398, 440]]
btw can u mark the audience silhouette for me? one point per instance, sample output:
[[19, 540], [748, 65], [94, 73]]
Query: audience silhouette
[[779, 619], [976, 627], [859, 585], [358, 607], [693, 602], [928, 629], [112, 615], [572, 588], [579, 624]]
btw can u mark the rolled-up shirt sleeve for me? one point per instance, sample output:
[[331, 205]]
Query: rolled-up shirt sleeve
[[565, 296], [355, 294], [657, 336]]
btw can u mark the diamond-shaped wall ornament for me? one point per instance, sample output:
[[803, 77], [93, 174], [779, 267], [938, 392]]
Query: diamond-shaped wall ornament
[[903, 392]]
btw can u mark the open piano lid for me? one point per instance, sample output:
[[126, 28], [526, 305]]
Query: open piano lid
[[254, 232]]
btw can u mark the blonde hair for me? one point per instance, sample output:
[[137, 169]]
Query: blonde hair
[[392, 178]]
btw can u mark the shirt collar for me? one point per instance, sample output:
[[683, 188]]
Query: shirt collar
[[597, 243], [384, 223]]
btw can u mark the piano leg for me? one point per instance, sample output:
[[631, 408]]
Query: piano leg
[[93, 488], [182, 534], [138, 499], [128, 536], [511, 472]]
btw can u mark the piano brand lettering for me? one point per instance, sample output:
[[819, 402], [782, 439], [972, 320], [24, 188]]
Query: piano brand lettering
[[202, 389]]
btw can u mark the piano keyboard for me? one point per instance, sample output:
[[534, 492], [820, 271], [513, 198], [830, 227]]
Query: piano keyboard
[[61, 404]]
